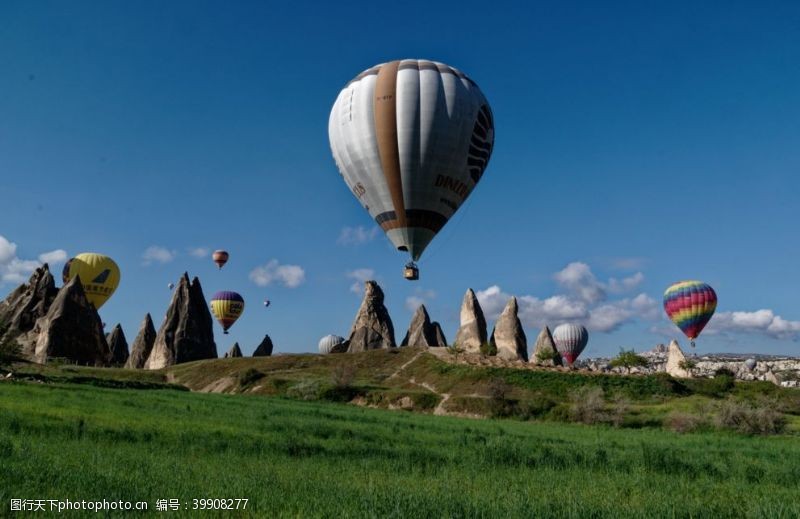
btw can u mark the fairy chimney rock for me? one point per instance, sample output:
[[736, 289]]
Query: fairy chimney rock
[[472, 333], [372, 328], [508, 336], [142, 344]]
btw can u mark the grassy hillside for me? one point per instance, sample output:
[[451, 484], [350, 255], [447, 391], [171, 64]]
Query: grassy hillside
[[314, 459]]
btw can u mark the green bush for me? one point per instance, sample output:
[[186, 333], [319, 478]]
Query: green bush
[[248, 377], [751, 418], [306, 390], [681, 422], [488, 349], [588, 405], [628, 359]]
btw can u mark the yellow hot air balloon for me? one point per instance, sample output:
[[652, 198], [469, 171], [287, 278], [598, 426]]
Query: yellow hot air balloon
[[99, 276], [227, 307]]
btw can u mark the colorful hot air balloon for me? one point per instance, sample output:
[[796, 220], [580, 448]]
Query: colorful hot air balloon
[[570, 341], [171, 286], [99, 276], [267, 303], [411, 138], [227, 307], [220, 257], [327, 343], [690, 305]]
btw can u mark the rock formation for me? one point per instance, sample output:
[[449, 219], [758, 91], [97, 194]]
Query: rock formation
[[70, 330], [264, 349], [421, 332], [142, 345], [508, 336], [544, 351], [27, 303], [372, 328], [675, 357], [118, 346], [441, 340], [234, 352], [472, 333], [770, 377], [187, 332]]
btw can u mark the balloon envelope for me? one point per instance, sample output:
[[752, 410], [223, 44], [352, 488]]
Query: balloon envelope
[[327, 343], [570, 339], [411, 138], [750, 364], [690, 305], [99, 276], [220, 257], [227, 307], [267, 302]]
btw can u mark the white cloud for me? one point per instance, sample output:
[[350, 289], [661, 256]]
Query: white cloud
[[420, 297], [17, 270], [157, 254], [199, 252], [53, 257], [290, 276], [763, 322], [360, 276], [578, 278], [625, 284], [356, 235]]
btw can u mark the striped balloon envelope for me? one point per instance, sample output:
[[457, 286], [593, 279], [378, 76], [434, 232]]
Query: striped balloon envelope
[[570, 339], [411, 139], [227, 307], [220, 257], [690, 305]]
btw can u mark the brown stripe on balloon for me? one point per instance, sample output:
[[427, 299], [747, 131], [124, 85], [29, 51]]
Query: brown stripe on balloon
[[385, 113]]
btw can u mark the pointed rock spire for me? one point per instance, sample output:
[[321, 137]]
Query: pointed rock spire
[[27, 303], [118, 346], [71, 330], [472, 333], [421, 332], [441, 340], [675, 358], [265, 348], [234, 352], [187, 332], [508, 336], [142, 345], [544, 351], [372, 328]]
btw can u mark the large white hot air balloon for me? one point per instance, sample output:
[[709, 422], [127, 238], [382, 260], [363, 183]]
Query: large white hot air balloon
[[570, 341], [327, 343], [412, 139]]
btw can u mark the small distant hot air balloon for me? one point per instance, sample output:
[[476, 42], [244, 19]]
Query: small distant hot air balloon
[[327, 343], [412, 139], [750, 364], [171, 286], [267, 303], [99, 276], [220, 257], [690, 305], [570, 341], [227, 307]]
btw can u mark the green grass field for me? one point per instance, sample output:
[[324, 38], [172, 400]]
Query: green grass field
[[317, 459]]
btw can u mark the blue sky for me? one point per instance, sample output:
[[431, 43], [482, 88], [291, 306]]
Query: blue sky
[[635, 146]]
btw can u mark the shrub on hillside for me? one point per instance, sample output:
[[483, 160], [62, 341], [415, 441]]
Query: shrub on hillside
[[488, 349], [681, 422], [500, 404], [306, 390], [629, 359], [343, 376], [248, 377], [761, 417], [588, 405]]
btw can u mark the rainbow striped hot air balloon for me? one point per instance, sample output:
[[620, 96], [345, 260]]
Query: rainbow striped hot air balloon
[[227, 307], [690, 305]]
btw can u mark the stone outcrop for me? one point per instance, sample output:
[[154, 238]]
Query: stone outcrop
[[675, 357], [142, 345], [508, 336], [441, 340], [264, 349], [372, 328], [70, 330], [421, 332], [187, 333], [544, 351], [25, 305], [118, 346], [234, 352], [472, 332], [770, 377]]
